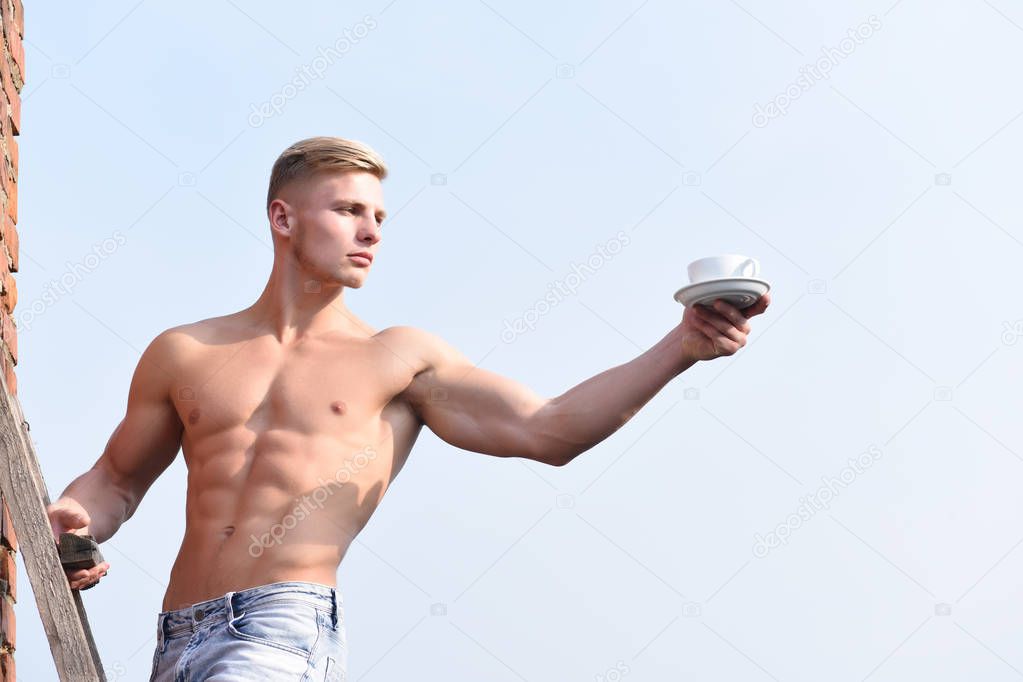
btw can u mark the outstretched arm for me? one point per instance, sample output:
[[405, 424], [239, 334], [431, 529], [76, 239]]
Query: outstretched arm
[[478, 410]]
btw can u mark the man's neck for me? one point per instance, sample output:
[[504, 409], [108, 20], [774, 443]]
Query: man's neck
[[292, 311]]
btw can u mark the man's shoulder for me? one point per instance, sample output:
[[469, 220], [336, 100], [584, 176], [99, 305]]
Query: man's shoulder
[[419, 341], [208, 330], [404, 333], [183, 339], [428, 348]]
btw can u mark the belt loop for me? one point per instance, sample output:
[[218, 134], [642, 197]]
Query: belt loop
[[333, 607], [229, 605], [161, 634]]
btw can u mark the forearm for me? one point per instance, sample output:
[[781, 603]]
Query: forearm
[[108, 504], [590, 412]]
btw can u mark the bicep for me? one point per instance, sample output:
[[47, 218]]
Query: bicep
[[476, 409], [149, 436]]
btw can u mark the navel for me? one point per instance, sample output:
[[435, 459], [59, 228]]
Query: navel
[[338, 407], [193, 416]]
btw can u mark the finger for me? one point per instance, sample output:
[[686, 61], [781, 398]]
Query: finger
[[722, 344], [87, 573], [723, 326], [63, 520], [707, 312], [73, 518], [734, 316], [759, 307], [87, 581], [705, 328]]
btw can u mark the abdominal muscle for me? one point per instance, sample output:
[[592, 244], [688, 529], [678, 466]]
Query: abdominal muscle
[[284, 508]]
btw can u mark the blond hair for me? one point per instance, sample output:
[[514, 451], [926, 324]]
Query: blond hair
[[314, 154]]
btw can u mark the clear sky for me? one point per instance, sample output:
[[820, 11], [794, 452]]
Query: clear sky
[[867, 152]]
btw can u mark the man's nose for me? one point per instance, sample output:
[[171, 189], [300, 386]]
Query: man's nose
[[369, 231]]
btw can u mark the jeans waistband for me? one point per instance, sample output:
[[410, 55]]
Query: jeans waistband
[[187, 620]]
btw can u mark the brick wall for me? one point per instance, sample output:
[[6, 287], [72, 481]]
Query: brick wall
[[12, 71], [8, 594]]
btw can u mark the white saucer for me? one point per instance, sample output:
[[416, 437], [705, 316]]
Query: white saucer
[[741, 292]]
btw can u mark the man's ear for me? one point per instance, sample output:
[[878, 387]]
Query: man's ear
[[279, 210]]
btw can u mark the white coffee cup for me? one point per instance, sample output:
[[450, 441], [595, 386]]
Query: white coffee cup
[[719, 267]]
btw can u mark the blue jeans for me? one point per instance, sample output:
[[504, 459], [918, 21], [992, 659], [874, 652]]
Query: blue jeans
[[281, 631]]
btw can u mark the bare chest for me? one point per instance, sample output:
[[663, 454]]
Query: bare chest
[[321, 389]]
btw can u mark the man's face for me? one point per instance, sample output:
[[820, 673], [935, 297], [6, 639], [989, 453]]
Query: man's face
[[332, 216]]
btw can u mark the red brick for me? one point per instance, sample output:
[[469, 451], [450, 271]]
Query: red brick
[[9, 376], [10, 537], [13, 98], [7, 667], [13, 39], [12, 200], [19, 58], [11, 238], [17, 50], [7, 290], [19, 16], [6, 182], [10, 289], [8, 624], [8, 14], [12, 149], [9, 572], [10, 334]]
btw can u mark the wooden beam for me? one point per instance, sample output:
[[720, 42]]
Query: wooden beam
[[60, 607]]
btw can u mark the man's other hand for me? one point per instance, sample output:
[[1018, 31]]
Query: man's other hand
[[67, 516]]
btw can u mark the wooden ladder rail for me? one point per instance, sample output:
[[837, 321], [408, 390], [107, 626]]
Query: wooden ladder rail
[[61, 609]]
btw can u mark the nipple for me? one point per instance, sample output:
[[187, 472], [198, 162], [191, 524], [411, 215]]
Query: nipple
[[338, 407]]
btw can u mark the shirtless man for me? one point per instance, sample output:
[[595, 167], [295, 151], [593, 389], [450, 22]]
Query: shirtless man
[[294, 417]]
